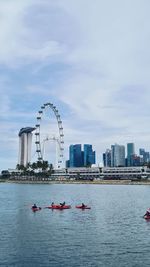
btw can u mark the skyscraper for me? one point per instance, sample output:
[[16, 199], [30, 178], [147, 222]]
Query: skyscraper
[[89, 155], [79, 158], [112, 155], [130, 153], [117, 155], [75, 156], [107, 158], [145, 155], [25, 142]]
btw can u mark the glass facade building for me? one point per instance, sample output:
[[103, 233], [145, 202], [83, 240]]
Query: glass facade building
[[107, 158], [145, 156], [130, 153], [89, 155], [117, 155], [75, 156], [79, 158]]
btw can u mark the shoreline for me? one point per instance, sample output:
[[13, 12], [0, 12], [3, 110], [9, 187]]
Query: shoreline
[[95, 182]]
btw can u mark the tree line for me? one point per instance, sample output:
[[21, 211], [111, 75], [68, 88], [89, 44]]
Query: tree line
[[42, 168]]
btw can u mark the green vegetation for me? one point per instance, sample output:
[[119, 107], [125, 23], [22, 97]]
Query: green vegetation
[[39, 168]]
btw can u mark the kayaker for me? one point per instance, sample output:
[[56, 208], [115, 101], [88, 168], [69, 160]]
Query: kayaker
[[34, 206], [62, 204], [147, 213], [83, 206], [52, 204]]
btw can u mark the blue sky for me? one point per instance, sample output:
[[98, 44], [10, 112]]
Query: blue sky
[[90, 58]]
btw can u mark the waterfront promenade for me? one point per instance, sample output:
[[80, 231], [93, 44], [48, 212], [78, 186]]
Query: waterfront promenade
[[94, 175], [94, 182]]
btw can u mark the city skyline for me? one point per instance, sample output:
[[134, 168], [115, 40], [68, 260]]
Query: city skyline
[[116, 155], [91, 61], [125, 156]]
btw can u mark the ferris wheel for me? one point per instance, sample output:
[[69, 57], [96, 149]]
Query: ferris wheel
[[42, 140]]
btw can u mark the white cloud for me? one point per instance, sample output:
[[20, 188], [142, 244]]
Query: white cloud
[[17, 45], [39, 90], [110, 57]]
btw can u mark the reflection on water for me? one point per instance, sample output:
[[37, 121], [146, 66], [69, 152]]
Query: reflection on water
[[112, 233]]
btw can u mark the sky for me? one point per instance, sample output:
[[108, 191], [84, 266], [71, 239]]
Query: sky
[[90, 58]]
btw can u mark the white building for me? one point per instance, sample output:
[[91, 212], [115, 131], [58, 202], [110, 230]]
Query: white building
[[25, 143]]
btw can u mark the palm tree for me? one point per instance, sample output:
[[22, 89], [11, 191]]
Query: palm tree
[[34, 166], [45, 165], [39, 164], [20, 167], [28, 165]]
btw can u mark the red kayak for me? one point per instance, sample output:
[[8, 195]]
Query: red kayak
[[36, 209], [59, 207], [83, 207], [147, 217]]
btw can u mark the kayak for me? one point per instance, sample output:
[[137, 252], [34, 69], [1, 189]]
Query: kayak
[[83, 207], [147, 217], [59, 207], [36, 209]]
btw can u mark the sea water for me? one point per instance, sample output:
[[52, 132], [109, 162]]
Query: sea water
[[111, 233]]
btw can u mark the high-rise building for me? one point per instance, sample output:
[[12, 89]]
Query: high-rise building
[[135, 160], [122, 156], [75, 156], [89, 155], [112, 155], [141, 151], [145, 155], [117, 155], [25, 143], [107, 158], [79, 158], [130, 153]]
